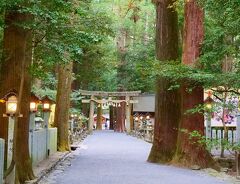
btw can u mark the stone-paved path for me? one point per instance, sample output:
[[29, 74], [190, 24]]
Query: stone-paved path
[[113, 158]]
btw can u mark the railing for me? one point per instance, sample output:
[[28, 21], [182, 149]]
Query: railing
[[218, 134]]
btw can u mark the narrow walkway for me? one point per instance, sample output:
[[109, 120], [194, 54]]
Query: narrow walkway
[[113, 158]]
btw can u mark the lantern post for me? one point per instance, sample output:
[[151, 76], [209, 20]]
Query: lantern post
[[34, 101], [208, 103]]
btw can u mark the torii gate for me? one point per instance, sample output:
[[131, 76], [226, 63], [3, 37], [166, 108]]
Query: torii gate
[[92, 94]]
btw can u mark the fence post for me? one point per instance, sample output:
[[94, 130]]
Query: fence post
[[1, 160]]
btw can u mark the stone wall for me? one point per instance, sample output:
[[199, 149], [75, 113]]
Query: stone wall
[[42, 143], [1, 160]]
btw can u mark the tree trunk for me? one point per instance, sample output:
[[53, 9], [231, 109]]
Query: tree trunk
[[99, 117], [225, 130], [63, 105], [122, 42], [167, 106], [115, 118], [120, 120], [111, 114], [189, 152], [17, 57]]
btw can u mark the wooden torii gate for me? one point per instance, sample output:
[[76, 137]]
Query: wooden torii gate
[[92, 94]]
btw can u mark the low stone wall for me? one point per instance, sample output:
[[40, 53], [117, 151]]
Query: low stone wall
[[1, 160], [42, 143], [52, 140]]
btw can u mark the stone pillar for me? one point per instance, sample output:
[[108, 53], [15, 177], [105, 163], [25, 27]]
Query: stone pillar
[[91, 114], [238, 128], [1, 160], [208, 126], [128, 115], [32, 121], [46, 116], [10, 140]]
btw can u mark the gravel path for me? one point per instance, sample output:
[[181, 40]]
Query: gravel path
[[113, 158]]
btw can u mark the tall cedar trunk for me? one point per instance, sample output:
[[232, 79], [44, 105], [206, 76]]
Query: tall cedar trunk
[[122, 50], [99, 117], [120, 124], [111, 114], [131, 118], [114, 118], [76, 85], [63, 105], [167, 106], [189, 152], [17, 57], [85, 109]]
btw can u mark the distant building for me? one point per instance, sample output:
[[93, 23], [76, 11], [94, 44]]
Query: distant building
[[145, 105]]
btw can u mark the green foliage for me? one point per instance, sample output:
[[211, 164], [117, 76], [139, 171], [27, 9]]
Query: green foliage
[[136, 19], [178, 72], [221, 47], [197, 138]]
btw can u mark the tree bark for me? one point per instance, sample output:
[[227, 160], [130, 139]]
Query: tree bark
[[190, 152], [99, 117], [120, 120], [115, 118], [63, 105], [17, 57], [111, 116], [167, 106], [122, 50]]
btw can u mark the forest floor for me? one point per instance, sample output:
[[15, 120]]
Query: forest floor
[[114, 158]]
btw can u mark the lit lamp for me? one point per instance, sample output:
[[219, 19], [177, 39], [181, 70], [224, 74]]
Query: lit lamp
[[136, 119], [11, 105], [33, 103], [33, 106], [208, 103], [46, 101]]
